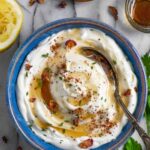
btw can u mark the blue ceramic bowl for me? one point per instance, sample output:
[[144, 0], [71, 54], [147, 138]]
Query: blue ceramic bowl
[[48, 30]]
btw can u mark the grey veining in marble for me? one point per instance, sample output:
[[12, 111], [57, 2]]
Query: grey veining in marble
[[37, 15]]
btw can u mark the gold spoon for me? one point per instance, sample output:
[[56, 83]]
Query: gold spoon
[[108, 68]]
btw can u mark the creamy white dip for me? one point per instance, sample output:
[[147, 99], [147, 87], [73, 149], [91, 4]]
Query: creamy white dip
[[75, 81]]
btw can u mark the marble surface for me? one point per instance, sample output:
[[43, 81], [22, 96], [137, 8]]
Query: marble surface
[[37, 15]]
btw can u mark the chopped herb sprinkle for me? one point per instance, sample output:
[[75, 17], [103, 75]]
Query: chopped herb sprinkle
[[45, 55], [66, 120], [93, 63], [60, 78], [114, 62], [26, 74], [61, 124], [43, 129], [30, 125]]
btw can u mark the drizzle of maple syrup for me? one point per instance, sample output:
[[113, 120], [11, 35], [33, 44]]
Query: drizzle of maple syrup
[[141, 12]]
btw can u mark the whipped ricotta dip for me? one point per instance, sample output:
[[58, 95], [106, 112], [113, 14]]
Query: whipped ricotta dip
[[66, 98]]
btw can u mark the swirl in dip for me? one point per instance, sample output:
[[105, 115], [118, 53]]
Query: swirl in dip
[[66, 98]]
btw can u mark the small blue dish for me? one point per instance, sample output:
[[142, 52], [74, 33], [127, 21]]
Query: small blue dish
[[48, 30]]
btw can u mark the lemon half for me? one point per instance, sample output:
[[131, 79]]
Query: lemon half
[[11, 18]]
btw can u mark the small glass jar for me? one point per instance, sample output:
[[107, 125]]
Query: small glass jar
[[129, 8]]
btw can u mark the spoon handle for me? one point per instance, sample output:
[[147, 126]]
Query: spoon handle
[[141, 132]]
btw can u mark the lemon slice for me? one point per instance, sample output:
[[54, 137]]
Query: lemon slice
[[11, 18]]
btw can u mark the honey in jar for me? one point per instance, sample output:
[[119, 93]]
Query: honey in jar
[[141, 12]]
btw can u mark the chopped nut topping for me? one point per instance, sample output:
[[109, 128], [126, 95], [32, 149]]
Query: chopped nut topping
[[62, 4], [86, 144], [127, 92], [28, 67], [32, 100], [78, 111], [113, 11], [78, 114], [75, 121], [53, 106], [55, 47], [70, 43]]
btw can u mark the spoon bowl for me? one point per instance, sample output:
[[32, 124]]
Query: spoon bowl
[[112, 76]]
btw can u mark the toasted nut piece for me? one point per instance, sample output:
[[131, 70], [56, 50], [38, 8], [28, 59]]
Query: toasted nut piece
[[86, 144], [113, 11], [75, 121], [70, 43], [53, 106], [55, 46], [127, 92], [28, 67], [32, 100], [78, 111]]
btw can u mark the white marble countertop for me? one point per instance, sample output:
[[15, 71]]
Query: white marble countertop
[[39, 14]]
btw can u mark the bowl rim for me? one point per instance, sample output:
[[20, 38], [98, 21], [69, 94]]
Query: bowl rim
[[53, 25]]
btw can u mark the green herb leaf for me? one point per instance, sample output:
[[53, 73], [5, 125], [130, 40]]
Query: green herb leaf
[[131, 144], [60, 78], [61, 124], [67, 120], [31, 124], [26, 74], [114, 62], [45, 55], [146, 62], [93, 63]]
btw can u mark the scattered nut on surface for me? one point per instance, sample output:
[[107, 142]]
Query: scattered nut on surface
[[62, 4], [114, 12]]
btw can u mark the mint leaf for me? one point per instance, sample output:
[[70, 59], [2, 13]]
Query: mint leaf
[[132, 144]]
